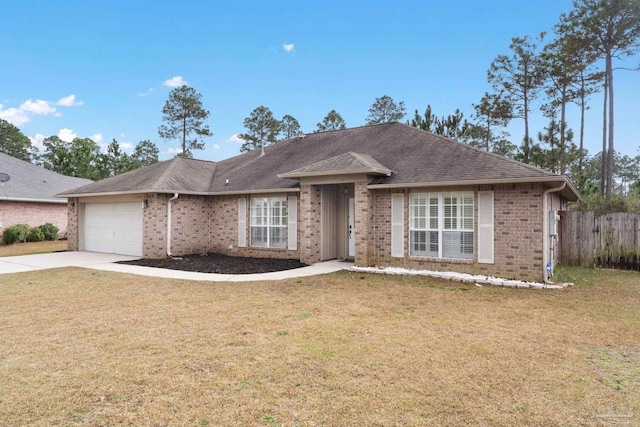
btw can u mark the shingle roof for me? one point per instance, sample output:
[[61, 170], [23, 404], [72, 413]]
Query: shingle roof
[[178, 175], [414, 156], [34, 183], [343, 164]]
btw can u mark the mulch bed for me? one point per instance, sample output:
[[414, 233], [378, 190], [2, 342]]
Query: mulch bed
[[217, 263]]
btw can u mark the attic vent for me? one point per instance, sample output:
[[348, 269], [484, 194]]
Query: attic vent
[[226, 181]]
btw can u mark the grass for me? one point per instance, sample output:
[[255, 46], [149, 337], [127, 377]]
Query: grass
[[83, 347], [30, 248]]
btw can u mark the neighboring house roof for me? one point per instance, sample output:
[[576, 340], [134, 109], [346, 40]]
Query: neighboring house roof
[[32, 183], [413, 156]]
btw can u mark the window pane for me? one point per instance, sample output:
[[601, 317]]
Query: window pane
[[278, 237], [433, 243], [418, 244], [466, 242], [456, 244], [259, 236]]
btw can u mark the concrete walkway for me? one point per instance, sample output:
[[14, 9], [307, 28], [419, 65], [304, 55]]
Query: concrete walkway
[[106, 262]]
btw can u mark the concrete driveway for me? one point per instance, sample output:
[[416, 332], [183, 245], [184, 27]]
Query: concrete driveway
[[106, 262], [20, 264]]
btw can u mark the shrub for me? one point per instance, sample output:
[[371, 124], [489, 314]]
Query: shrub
[[50, 231], [15, 233], [35, 235]]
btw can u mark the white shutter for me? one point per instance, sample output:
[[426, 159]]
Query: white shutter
[[397, 225], [242, 222], [485, 227], [292, 215]]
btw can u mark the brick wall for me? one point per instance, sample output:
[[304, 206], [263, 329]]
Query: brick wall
[[364, 221], [224, 229], [190, 220], [73, 208], [154, 226], [309, 214], [33, 214], [517, 233]]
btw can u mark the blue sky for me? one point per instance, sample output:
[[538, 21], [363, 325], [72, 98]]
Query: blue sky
[[101, 68]]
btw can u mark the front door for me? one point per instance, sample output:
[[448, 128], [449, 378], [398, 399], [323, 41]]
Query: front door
[[351, 227]]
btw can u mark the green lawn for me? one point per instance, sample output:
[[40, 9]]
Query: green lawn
[[84, 347]]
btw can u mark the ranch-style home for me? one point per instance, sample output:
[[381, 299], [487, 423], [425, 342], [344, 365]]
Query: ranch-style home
[[385, 195]]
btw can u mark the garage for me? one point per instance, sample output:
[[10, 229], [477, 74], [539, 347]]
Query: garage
[[114, 228]]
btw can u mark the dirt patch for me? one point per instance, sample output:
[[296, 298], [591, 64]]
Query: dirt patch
[[221, 264]]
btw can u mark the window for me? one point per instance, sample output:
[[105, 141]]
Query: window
[[268, 222], [441, 225]]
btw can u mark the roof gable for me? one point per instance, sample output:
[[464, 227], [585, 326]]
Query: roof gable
[[347, 163]]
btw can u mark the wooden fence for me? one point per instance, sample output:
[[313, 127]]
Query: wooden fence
[[600, 241]]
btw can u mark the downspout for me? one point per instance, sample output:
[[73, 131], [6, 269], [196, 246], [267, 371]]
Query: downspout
[[545, 230], [175, 196]]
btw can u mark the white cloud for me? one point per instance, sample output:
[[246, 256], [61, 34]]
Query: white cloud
[[69, 101], [176, 81], [14, 116], [126, 146], [235, 138], [96, 137], [66, 134], [38, 106], [174, 150], [288, 47], [36, 141], [121, 135], [147, 93], [216, 146]]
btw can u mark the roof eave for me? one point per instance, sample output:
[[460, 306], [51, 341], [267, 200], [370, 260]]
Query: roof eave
[[556, 178], [192, 193], [371, 171]]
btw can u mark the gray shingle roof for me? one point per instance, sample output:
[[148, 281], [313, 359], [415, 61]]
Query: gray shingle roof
[[31, 182], [178, 175], [343, 164], [414, 156]]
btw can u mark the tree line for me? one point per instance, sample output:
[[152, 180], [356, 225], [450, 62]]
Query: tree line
[[81, 157]]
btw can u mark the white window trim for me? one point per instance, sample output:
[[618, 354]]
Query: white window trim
[[268, 226], [441, 225]]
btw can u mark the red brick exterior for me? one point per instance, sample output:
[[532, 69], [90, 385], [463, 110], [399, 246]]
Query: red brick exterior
[[33, 214]]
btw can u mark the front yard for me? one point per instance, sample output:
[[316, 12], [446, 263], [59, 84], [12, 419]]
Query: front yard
[[84, 347]]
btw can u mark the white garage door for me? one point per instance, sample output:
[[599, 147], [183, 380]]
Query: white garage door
[[114, 228]]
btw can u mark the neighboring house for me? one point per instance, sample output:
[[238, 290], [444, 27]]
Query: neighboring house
[[386, 195], [28, 196]]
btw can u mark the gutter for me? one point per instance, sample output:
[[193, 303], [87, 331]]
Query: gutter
[[175, 196], [546, 235], [192, 193], [33, 200]]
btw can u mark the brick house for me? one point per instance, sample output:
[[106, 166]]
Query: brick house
[[28, 197], [388, 195]]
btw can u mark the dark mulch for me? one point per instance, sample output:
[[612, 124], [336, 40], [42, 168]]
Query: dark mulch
[[217, 263]]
